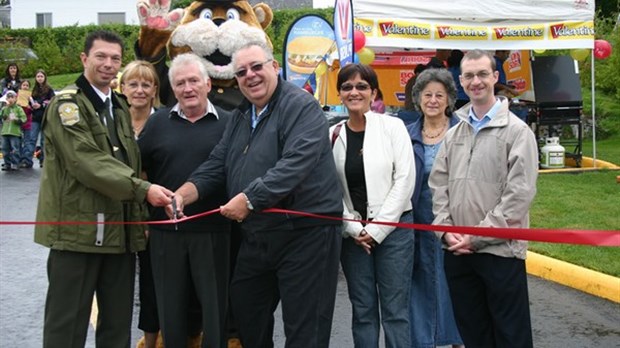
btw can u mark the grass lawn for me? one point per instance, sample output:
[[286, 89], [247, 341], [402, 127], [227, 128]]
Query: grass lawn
[[588, 200], [576, 201], [59, 82]]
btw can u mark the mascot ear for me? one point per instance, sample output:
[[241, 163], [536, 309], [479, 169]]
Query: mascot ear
[[263, 14]]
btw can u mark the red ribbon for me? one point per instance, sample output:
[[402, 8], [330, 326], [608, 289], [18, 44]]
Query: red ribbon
[[585, 237]]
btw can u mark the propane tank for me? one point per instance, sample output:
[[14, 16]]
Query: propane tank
[[552, 154]]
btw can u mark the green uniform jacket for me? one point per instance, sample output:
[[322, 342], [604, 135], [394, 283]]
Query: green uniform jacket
[[83, 181]]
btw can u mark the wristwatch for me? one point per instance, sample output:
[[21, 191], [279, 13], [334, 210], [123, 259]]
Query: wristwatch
[[248, 203]]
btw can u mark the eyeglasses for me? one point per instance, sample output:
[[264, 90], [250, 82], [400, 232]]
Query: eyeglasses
[[256, 67], [481, 75], [349, 87]]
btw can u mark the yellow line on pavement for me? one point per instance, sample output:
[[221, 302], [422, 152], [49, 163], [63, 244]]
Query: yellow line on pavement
[[94, 312], [580, 278]]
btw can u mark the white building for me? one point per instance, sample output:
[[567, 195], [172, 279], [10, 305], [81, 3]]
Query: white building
[[58, 13]]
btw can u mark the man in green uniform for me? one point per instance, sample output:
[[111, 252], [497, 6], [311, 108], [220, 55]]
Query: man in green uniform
[[91, 176]]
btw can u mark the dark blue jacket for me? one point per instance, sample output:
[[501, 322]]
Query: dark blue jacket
[[286, 162], [415, 132]]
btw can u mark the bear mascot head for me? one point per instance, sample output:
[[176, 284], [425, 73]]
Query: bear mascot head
[[211, 29]]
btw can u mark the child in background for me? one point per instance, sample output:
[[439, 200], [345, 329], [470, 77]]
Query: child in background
[[377, 105], [24, 99], [13, 117], [42, 93]]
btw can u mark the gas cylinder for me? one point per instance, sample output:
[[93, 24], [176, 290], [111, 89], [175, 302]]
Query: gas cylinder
[[552, 154]]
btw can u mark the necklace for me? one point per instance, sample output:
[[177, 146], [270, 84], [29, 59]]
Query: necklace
[[433, 136], [137, 127]]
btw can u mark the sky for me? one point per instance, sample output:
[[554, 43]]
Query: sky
[[323, 3]]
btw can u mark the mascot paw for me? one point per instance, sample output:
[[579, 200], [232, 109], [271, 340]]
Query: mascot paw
[[155, 14]]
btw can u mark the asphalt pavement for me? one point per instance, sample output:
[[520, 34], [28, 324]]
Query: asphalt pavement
[[561, 316]]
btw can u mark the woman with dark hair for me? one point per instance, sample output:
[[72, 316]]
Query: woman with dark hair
[[11, 80], [374, 161], [432, 319], [42, 93]]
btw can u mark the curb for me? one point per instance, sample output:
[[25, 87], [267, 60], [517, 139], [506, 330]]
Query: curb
[[580, 278]]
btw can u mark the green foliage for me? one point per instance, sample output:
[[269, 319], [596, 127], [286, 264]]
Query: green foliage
[[607, 78], [59, 48]]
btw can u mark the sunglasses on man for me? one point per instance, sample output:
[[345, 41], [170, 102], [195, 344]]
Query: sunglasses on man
[[256, 67]]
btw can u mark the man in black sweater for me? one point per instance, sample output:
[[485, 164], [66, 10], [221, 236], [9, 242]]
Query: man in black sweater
[[193, 256]]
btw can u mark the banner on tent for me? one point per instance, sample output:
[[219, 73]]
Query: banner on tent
[[343, 28], [458, 35]]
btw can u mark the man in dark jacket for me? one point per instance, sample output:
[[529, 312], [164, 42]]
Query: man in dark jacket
[[91, 178], [276, 153]]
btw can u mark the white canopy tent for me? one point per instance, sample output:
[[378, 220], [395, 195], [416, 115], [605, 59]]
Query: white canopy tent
[[483, 24]]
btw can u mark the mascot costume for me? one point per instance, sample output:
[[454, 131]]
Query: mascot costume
[[214, 30]]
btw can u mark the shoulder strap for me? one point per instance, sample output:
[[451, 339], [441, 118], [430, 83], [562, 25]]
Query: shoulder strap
[[336, 133]]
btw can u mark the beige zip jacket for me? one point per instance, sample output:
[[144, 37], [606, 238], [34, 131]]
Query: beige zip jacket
[[486, 179]]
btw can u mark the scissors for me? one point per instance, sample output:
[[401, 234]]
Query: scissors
[[174, 213]]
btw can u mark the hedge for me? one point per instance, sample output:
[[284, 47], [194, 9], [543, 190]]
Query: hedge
[[59, 48]]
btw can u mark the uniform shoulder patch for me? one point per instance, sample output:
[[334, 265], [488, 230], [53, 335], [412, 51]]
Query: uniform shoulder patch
[[69, 113]]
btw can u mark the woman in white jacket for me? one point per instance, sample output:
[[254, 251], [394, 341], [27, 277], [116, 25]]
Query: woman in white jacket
[[374, 159]]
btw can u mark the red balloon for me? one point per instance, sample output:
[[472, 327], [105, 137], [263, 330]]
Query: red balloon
[[359, 40], [602, 49]]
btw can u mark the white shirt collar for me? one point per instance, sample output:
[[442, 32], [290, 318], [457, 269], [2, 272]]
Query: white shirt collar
[[102, 95], [210, 110]]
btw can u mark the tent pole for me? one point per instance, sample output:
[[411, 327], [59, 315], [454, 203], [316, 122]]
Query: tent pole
[[593, 110]]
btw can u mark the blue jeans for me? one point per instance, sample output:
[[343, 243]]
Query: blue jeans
[[381, 279], [27, 147], [10, 150], [36, 130]]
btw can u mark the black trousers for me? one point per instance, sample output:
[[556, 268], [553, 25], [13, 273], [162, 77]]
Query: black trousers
[[73, 280], [298, 267], [148, 319], [490, 300], [187, 264]]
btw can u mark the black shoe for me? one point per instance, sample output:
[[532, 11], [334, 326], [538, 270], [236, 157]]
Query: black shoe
[[6, 167]]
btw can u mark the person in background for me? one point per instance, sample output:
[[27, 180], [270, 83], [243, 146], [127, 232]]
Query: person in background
[[431, 315], [377, 104], [454, 67], [375, 166], [484, 175], [139, 84], [408, 113], [275, 154], [13, 117], [92, 176], [24, 98], [501, 86], [192, 256], [439, 60], [42, 94], [11, 80]]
